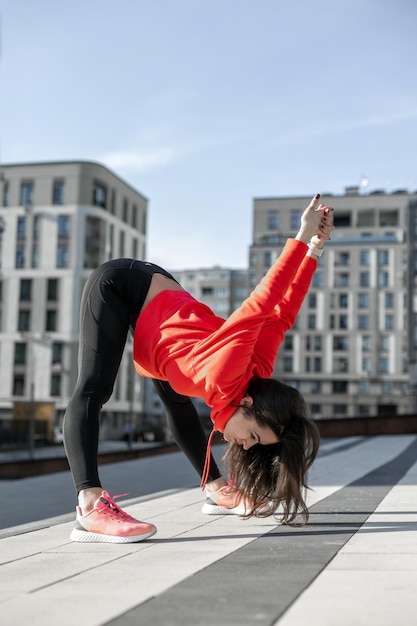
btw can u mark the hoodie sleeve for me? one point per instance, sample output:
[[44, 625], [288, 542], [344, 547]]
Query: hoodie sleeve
[[274, 328], [232, 351]]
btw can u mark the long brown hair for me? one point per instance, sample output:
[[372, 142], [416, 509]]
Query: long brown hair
[[276, 474]]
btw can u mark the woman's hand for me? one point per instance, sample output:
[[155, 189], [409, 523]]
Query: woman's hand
[[316, 223]]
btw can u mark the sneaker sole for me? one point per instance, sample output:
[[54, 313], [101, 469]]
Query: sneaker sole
[[84, 536], [215, 509]]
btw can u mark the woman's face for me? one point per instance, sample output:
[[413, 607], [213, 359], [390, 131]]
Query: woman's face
[[243, 429]]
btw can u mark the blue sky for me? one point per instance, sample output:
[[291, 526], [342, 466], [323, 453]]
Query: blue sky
[[203, 105]]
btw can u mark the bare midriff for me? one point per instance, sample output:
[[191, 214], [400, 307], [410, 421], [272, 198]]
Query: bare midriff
[[160, 283]]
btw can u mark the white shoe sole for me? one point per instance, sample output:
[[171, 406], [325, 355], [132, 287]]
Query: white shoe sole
[[83, 536], [215, 509]]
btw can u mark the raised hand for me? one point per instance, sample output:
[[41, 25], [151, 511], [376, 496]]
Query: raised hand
[[316, 223]]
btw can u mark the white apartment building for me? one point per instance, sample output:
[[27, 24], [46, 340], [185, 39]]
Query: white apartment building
[[353, 348], [60, 220]]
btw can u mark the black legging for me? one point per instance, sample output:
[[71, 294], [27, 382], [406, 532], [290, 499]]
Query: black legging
[[111, 303]]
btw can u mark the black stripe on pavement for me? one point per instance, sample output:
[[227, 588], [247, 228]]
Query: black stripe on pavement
[[258, 583]]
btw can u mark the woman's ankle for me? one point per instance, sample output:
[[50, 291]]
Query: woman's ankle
[[215, 485], [87, 498]]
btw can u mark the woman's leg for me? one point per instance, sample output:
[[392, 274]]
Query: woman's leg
[[104, 323], [186, 428]]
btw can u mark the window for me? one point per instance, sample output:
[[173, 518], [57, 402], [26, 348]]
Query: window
[[343, 300], [387, 387], [21, 228], [125, 214], [272, 220], [364, 279], [364, 387], [317, 363], [363, 300], [25, 290], [55, 385], [18, 385], [134, 216], [383, 278], [122, 243], [312, 300], [365, 257], [366, 365], [342, 280], [113, 202], [64, 222], [340, 342], [384, 343], [52, 289], [23, 321], [389, 321], [311, 321], [366, 343], [389, 300], [20, 256], [342, 258], [36, 227], [50, 324], [288, 364], [19, 353], [56, 352], [365, 218], [340, 386], [388, 218], [267, 259], [317, 342], [383, 257], [6, 193], [341, 364], [363, 322], [339, 409], [35, 255], [26, 193], [99, 195], [343, 321], [383, 365], [288, 343], [295, 219], [58, 192], [315, 386], [62, 255], [318, 280]]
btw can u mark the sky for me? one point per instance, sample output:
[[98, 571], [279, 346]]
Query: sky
[[204, 105]]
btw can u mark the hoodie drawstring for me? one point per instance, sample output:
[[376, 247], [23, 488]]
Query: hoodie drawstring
[[206, 470]]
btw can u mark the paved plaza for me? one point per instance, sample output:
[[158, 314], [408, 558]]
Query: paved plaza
[[354, 563]]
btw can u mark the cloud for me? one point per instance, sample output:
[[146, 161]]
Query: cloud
[[383, 119], [139, 161]]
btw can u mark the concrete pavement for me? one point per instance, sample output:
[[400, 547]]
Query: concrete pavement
[[354, 563]]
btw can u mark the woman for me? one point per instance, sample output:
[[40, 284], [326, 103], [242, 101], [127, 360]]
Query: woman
[[188, 351]]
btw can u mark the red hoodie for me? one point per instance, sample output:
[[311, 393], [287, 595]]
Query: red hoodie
[[179, 339]]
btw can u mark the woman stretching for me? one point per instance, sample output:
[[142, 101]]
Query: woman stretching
[[188, 351]]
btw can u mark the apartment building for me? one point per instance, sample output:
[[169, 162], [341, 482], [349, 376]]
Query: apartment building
[[60, 220], [223, 290], [352, 350]]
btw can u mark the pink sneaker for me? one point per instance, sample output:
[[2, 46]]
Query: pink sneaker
[[109, 524], [226, 501]]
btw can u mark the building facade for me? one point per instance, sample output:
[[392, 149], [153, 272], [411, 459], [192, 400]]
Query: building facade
[[60, 220], [352, 350]]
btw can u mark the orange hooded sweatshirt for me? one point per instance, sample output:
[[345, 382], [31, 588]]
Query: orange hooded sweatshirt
[[181, 340]]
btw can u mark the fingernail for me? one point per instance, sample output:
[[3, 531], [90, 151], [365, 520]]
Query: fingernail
[[317, 196]]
